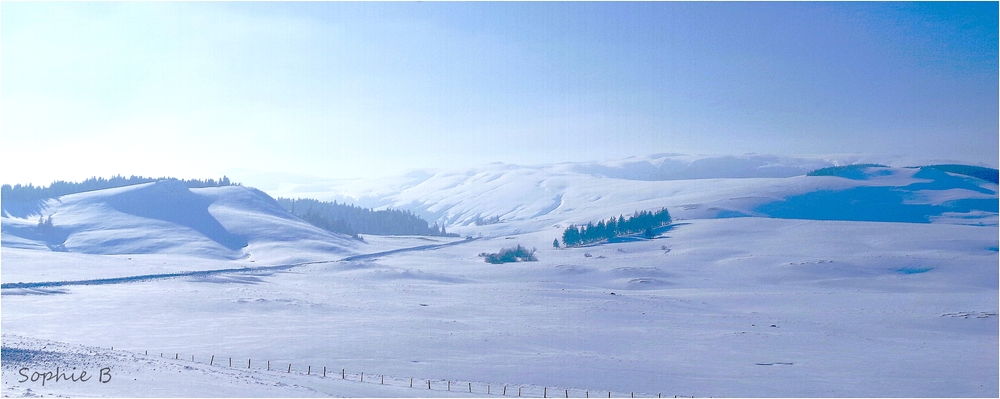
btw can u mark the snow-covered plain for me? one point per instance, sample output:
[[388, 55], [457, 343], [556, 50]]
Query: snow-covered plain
[[755, 306]]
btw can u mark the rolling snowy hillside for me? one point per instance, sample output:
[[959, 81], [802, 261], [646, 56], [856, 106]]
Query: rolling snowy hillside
[[536, 197], [166, 217], [872, 281]]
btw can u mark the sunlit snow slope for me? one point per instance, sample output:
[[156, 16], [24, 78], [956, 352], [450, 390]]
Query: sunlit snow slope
[[868, 281], [166, 217], [530, 198]]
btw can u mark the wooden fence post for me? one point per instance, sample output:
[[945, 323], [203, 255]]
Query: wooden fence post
[[470, 387], [383, 380], [633, 394], [567, 393], [342, 375], [309, 370], [177, 356], [248, 363], [504, 390], [428, 384], [362, 376], [449, 385], [519, 392], [268, 365], [545, 392], [211, 361], [192, 358], [230, 362], [411, 382], [324, 371], [289, 367]]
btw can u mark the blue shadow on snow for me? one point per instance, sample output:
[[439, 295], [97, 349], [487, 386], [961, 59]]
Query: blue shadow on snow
[[173, 202], [872, 204]]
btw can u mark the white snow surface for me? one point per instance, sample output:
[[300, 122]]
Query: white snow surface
[[166, 217], [537, 197], [86, 371], [787, 301]]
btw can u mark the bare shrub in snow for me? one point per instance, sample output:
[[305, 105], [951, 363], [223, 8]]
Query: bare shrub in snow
[[507, 255]]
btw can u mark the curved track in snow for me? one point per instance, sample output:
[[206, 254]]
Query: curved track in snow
[[200, 273]]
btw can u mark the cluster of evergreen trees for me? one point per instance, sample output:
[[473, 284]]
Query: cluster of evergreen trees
[[640, 222], [487, 221], [20, 193], [507, 255], [44, 223], [353, 220]]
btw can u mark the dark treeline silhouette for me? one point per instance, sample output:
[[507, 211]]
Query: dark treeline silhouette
[[20, 193], [353, 220], [640, 222]]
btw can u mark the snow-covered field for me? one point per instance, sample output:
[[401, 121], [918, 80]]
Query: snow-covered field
[[714, 306]]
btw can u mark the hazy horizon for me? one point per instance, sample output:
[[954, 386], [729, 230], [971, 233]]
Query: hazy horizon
[[364, 90], [271, 179]]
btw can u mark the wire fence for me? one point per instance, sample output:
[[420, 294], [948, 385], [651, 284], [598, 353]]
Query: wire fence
[[434, 384]]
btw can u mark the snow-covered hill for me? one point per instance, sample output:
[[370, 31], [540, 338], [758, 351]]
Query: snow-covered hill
[[166, 217], [874, 281], [530, 198]]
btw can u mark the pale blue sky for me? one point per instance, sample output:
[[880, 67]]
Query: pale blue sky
[[374, 89]]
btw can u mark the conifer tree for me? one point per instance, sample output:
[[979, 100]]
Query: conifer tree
[[571, 236]]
